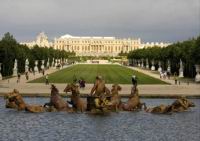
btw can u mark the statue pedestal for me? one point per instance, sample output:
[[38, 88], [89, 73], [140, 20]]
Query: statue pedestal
[[26, 68], [15, 72], [197, 77], [35, 69], [42, 67], [181, 69], [159, 69], [181, 74], [15, 68], [153, 68], [169, 69], [0, 73]]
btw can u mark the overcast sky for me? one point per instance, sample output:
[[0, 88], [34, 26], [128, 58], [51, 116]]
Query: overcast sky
[[151, 20]]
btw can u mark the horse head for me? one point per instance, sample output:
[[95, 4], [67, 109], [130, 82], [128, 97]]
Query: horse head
[[134, 91], [12, 96], [72, 88], [187, 102], [115, 89], [54, 90]]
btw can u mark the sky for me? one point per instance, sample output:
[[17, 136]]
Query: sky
[[150, 20]]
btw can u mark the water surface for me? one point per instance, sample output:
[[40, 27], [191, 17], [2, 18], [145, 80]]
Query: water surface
[[123, 126]]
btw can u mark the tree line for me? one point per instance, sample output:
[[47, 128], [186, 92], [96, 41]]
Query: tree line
[[10, 50], [188, 51]]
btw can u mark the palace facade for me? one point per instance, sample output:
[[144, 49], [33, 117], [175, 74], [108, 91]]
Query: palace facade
[[41, 41], [92, 46], [96, 46]]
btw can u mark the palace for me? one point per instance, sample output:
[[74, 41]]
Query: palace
[[41, 41], [93, 46]]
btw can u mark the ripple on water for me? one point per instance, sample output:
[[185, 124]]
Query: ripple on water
[[123, 126]]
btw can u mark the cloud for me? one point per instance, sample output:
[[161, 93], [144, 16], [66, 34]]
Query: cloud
[[151, 20]]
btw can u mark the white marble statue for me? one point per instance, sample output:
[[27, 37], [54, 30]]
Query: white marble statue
[[42, 66], [197, 77], [159, 68], [48, 63], [147, 63], [15, 68], [181, 69], [53, 63], [142, 64], [168, 66], [26, 65], [0, 73], [36, 66], [56, 63], [152, 65]]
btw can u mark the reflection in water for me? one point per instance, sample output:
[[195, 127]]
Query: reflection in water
[[121, 126]]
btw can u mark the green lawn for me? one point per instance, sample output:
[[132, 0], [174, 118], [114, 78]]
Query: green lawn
[[111, 73]]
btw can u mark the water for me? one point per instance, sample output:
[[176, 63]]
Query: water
[[123, 126]]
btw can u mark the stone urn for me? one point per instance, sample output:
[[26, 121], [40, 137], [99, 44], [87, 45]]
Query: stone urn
[[197, 77]]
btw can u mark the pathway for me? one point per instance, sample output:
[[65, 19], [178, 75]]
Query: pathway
[[40, 89]]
